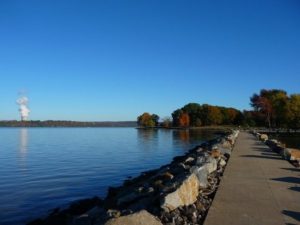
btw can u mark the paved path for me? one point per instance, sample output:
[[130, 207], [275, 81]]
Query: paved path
[[258, 187]]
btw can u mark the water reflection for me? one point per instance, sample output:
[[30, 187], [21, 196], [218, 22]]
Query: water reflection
[[194, 136], [23, 147], [147, 138]]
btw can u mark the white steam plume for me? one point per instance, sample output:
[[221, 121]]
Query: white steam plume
[[23, 108]]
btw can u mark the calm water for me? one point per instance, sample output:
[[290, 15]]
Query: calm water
[[290, 140], [42, 168]]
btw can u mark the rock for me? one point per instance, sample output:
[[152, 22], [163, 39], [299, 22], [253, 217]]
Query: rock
[[140, 218], [82, 220], [127, 198], [201, 160], [286, 153], [200, 207], [189, 159], [150, 190], [186, 167], [186, 194], [199, 150], [224, 151], [295, 154], [140, 189], [158, 183], [226, 144], [222, 162], [263, 137], [113, 213], [201, 173], [211, 164], [168, 176], [215, 153]]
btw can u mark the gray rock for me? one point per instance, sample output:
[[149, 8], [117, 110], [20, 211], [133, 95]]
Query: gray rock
[[140, 218], [286, 153], [201, 173], [189, 159], [211, 164], [113, 213], [224, 150]]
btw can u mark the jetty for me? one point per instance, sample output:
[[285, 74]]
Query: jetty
[[258, 187], [232, 180]]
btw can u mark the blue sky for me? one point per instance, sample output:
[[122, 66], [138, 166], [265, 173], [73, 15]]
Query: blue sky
[[113, 60]]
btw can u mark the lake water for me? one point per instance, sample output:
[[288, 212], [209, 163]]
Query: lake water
[[290, 140], [43, 168]]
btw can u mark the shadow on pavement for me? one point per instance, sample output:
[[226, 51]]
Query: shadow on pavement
[[293, 180], [295, 188], [263, 157], [269, 154], [294, 215], [291, 169]]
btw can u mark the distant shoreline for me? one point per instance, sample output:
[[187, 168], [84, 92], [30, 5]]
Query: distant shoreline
[[64, 123]]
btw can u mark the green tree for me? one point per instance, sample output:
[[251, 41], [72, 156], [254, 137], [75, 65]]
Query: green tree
[[211, 115], [146, 120], [155, 119], [194, 111], [176, 116], [273, 104], [294, 111]]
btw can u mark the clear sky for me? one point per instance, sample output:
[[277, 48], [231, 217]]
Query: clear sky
[[113, 60]]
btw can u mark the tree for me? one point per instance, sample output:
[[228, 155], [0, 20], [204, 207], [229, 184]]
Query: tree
[[211, 115], [273, 104], [146, 120], [176, 116], [194, 111], [167, 122], [294, 111], [184, 120], [262, 105], [155, 119]]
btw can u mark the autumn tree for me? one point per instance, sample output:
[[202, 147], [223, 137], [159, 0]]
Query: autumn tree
[[194, 112], [147, 120], [205, 115], [184, 120], [211, 115], [273, 104]]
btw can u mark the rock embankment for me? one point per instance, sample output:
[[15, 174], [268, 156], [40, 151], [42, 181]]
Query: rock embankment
[[290, 154], [178, 193]]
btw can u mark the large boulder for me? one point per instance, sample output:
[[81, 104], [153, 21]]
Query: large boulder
[[140, 218], [263, 137], [224, 151], [215, 153], [185, 194], [211, 164], [226, 144], [201, 173], [295, 154]]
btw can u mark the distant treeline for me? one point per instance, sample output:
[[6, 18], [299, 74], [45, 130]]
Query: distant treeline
[[194, 115], [271, 108], [63, 123]]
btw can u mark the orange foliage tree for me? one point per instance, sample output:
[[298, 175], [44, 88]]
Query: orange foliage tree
[[184, 120]]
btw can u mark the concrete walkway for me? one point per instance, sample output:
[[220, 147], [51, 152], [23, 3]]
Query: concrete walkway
[[258, 187]]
